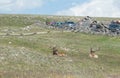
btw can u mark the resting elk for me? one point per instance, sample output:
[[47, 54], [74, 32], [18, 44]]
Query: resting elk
[[92, 53]]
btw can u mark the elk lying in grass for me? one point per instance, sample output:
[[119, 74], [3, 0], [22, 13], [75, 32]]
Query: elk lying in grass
[[92, 53], [55, 52]]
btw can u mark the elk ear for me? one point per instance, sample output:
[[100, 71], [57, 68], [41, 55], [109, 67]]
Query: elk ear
[[91, 49]]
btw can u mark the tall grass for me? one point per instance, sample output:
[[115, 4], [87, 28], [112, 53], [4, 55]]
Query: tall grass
[[37, 56]]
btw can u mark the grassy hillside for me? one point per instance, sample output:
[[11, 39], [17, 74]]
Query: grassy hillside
[[31, 56], [23, 20]]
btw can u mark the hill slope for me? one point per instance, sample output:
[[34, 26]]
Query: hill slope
[[31, 56]]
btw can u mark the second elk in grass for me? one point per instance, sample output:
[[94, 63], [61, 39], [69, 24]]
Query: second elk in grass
[[92, 53]]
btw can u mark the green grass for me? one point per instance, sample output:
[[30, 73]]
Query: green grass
[[31, 56]]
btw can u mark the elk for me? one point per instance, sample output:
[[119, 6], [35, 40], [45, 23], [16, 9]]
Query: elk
[[55, 52], [92, 53]]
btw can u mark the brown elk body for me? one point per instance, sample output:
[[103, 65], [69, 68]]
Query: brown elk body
[[55, 52]]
